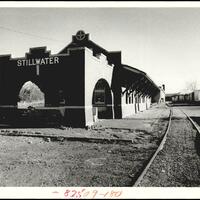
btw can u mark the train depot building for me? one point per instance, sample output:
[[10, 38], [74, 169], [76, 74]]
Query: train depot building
[[83, 82]]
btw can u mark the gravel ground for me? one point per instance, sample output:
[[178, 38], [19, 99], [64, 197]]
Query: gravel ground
[[178, 164], [32, 161]]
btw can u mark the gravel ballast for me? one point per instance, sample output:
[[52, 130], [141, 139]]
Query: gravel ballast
[[178, 164]]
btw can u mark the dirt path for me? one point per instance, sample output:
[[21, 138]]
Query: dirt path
[[178, 164]]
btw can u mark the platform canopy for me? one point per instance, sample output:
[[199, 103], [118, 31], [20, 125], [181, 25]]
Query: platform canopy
[[136, 80]]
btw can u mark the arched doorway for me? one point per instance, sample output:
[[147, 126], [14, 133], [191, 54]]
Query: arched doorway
[[102, 100], [30, 95]]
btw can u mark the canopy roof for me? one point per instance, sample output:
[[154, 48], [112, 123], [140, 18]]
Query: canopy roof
[[136, 80]]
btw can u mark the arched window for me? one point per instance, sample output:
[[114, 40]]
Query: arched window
[[102, 99]]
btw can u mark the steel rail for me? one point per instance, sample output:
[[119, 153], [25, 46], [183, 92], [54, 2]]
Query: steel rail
[[160, 147], [192, 121]]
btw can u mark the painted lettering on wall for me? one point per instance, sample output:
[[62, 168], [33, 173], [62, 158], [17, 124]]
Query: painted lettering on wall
[[38, 61]]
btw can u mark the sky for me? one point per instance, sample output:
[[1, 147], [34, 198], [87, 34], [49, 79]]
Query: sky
[[163, 42]]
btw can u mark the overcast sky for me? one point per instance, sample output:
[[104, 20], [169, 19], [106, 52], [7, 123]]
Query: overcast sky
[[163, 42]]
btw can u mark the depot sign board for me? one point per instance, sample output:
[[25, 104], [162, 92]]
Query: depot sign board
[[37, 61]]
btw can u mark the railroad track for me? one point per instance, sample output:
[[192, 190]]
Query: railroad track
[[192, 121], [160, 147]]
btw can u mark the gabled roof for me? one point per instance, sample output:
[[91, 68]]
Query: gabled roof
[[128, 76], [113, 57], [86, 42]]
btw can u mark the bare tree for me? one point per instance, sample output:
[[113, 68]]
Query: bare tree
[[191, 86]]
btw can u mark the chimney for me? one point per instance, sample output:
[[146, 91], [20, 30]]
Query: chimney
[[163, 86]]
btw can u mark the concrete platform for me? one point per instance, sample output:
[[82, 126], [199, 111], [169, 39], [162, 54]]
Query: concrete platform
[[126, 129]]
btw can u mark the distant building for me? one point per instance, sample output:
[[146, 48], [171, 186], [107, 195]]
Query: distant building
[[191, 97], [196, 95], [169, 96]]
